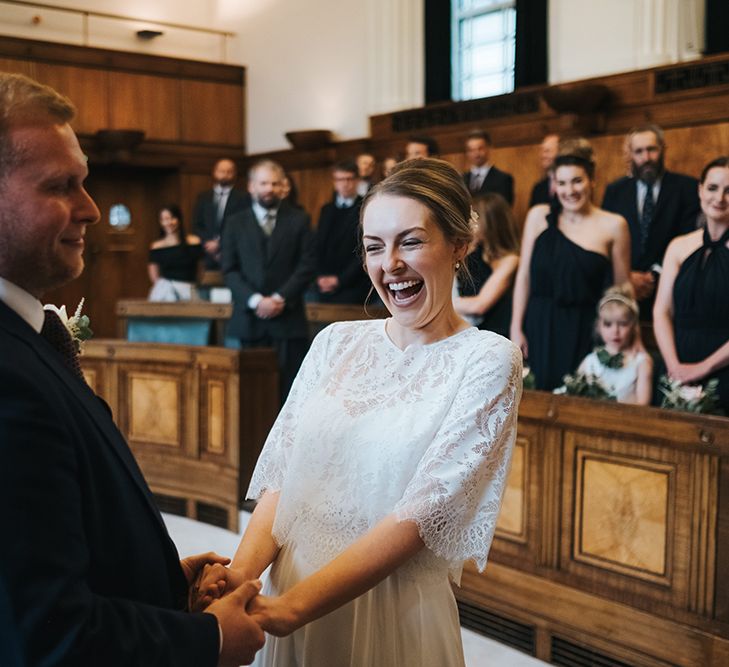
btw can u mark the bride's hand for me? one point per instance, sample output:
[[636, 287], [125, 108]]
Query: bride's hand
[[212, 583], [273, 615]]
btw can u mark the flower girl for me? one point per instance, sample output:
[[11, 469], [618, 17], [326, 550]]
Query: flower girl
[[620, 364]]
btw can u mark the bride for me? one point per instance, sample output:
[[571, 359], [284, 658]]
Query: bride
[[385, 470]]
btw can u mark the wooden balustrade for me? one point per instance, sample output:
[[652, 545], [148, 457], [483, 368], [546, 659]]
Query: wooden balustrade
[[613, 539], [195, 418]]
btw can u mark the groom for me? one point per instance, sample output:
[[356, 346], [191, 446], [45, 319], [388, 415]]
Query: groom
[[90, 572]]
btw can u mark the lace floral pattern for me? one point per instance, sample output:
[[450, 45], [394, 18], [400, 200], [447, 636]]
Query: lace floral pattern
[[369, 430]]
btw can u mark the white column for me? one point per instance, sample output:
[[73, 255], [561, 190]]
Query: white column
[[669, 31], [396, 63]]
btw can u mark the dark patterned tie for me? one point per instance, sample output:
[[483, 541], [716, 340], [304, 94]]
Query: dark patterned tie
[[646, 217], [55, 332]]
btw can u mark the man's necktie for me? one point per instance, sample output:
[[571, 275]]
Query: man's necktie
[[646, 217], [55, 332], [269, 223], [476, 182], [220, 202]]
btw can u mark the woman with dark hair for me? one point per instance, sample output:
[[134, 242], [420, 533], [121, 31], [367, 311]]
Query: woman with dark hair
[[485, 298], [385, 470], [569, 251], [174, 259], [691, 313]]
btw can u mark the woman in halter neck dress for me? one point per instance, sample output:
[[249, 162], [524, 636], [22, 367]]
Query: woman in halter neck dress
[[691, 312]]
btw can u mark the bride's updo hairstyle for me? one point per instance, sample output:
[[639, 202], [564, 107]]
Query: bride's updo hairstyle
[[437, 186]]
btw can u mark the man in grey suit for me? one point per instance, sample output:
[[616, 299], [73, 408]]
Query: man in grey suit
[[268, 261]]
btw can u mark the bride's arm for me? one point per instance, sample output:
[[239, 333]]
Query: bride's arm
[[358, 568], [257, 549]]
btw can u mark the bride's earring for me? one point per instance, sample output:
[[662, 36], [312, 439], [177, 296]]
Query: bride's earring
[[458, 266]]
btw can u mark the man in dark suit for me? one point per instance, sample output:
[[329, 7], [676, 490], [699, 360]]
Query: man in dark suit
[[658, 205], [91, 574], [268, 262], [543, 191], [214, 207], [484, 177], [340, 277]]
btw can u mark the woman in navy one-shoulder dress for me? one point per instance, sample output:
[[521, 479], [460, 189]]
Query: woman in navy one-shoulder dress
[[691, 313], [570, 253]]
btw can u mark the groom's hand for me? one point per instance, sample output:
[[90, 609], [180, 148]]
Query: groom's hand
[[241, 635], [194, 568]]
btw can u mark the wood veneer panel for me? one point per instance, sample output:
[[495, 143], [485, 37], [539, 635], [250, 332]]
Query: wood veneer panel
[[145, 102], [88, 89], [211, 113]]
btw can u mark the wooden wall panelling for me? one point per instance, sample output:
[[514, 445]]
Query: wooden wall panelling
[[259, 406], [315, 189], [212, 113], [161, 399], [146, 102], [88, 89], [17, 66]]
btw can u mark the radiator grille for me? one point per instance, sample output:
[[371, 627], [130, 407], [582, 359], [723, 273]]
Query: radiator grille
[[171, 504], [215, 516], [504, 630], [567, 654]]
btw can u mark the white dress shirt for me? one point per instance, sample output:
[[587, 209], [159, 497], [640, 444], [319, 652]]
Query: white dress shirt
[[23, 303]]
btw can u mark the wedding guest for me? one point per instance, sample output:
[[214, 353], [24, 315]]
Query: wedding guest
[[421, 146], [366, 166], [485, 297], [90, 571], [543, 191], [567, 256], [174, 259], [483, 176], [388, 164], [691, 314], [213, 208], [394, 429], [621, 363]]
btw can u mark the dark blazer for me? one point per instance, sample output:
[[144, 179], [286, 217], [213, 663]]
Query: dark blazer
[[540, 193], [252, 264], [495, 181], [337, 249], [91, 572], [205, 217], [676, 213]]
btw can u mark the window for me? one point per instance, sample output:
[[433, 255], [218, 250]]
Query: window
[[484, 44]]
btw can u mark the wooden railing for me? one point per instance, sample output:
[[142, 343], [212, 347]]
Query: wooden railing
[[614, 535], [195, 418]]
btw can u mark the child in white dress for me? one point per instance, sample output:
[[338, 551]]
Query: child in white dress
[[621, 364]]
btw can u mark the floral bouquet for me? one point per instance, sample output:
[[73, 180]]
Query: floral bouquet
[[77, 324], [690, 398], [528, 379], [588, 386]]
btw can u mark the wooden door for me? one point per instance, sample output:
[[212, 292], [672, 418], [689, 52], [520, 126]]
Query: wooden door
[[116, 260]]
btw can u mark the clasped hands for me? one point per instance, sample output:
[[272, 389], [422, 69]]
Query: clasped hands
[[215, 583], [270, 306]]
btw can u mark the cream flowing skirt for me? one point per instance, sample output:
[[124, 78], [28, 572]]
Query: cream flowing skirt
[[408, 620]]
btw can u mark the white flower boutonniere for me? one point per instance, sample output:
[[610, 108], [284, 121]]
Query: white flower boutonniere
[[77, 325]]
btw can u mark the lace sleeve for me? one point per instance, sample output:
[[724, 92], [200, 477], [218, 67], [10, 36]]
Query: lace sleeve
[[271, 466], [456, 491]]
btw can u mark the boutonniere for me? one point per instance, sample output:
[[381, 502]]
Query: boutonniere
[[609, 360], [77, 324]]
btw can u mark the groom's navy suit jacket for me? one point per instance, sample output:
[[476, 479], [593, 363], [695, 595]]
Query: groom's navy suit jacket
[[92, 575]]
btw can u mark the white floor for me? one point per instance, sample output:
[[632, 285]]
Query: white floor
[[193, 537]]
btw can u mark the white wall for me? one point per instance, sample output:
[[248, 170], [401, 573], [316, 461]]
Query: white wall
[[595, 37]]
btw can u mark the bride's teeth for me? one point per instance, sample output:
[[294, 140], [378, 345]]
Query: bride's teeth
[[398, 286]]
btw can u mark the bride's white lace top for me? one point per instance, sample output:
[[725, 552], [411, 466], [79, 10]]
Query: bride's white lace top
[[369, 430]]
